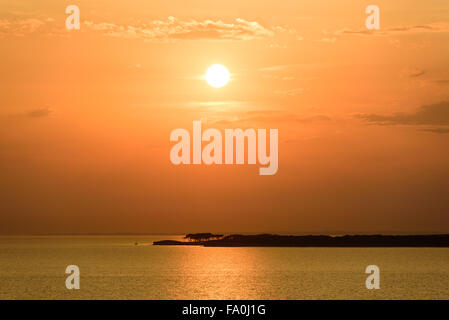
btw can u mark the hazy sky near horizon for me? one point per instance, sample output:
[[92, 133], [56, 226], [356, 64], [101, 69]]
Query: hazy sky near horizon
[[86, 116]]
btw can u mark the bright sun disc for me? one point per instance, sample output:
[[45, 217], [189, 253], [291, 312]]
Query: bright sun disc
[[217, 76]]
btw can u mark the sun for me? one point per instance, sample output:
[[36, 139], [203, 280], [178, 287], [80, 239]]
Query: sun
[[217, 76]]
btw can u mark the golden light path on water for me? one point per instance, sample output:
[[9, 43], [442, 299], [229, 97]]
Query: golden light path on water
[[132, 268]]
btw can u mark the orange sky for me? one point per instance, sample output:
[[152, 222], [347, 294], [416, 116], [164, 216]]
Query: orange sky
[[86, 116]]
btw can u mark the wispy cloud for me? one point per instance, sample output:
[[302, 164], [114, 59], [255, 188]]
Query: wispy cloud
[[434, 27], [40, 113], [170, 29], [37, 113], [273, 117], [412, 72], [290, 92], [328, 40], [442, 81], [20, 27], [430, 115], [437, 130], [417, 74], [175, 29]]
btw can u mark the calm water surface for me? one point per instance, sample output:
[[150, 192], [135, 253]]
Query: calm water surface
[[115, 268]]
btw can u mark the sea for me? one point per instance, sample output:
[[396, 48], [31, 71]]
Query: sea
[[130, 267]]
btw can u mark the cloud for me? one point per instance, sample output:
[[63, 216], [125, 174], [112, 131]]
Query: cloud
[[412, 72], [435, 27], [437, 130], [329, 40], [443, 81], [20, 27], [175, 29], [26, 116], [290, 92], [417, 74], [433, 115], [39, 113], [274, 116], [157, 30]]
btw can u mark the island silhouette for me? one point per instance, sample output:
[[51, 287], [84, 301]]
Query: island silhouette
[[275, 240]]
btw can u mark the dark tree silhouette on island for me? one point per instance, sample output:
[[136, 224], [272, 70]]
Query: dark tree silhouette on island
[[199, 237]]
